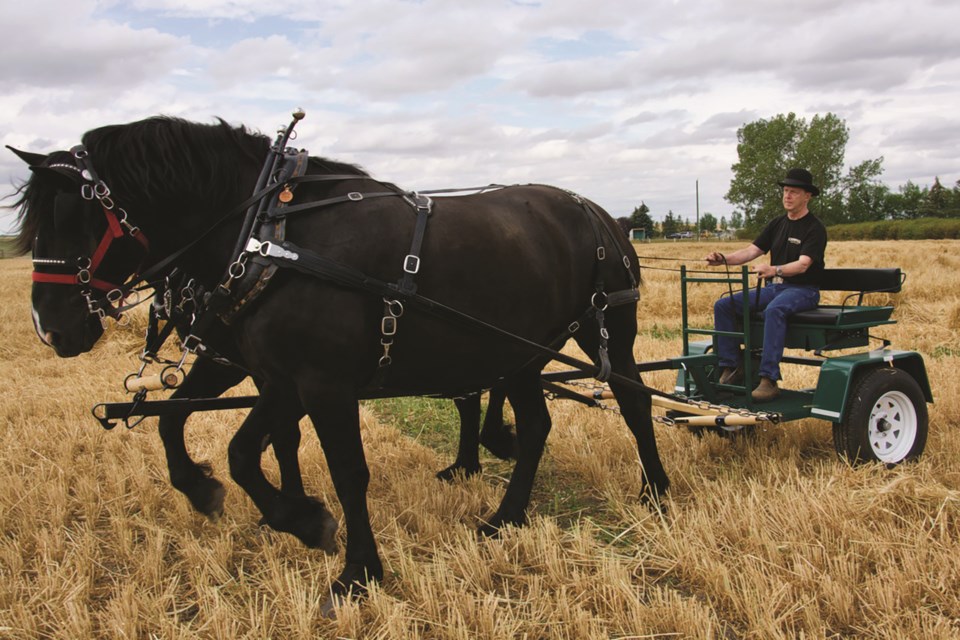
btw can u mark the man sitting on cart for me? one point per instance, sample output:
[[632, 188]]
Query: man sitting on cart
[[796, 241]]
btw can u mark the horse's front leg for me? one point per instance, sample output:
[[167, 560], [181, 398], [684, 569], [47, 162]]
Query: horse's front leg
[[335, 416], [206, 379], [277, 414]]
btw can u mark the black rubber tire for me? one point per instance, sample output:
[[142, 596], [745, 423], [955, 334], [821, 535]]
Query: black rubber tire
[[886, 419]]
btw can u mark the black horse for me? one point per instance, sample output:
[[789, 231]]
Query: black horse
[[210, 377], [498, 274]]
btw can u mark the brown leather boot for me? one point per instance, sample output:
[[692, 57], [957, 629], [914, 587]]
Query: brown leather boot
[[732, 376], [766, 391]]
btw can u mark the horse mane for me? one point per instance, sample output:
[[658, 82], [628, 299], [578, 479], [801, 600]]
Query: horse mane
[[162, 158]]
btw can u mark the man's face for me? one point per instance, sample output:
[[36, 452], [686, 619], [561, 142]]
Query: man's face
[[795, 199]]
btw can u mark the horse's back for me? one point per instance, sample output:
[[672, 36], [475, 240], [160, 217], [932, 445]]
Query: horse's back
[[521, 258]]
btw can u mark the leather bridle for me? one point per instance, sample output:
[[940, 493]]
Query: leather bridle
[[118, 227]]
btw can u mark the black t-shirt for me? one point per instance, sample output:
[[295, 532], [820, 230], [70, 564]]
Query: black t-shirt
[[787, 240]]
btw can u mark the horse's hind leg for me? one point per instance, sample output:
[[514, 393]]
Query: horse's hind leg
[[635, 404], [496, 435], [468, 457], [206, 379], [277, 410], [533, 426]]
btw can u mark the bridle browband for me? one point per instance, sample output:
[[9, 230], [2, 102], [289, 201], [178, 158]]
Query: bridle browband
[[118, 226]]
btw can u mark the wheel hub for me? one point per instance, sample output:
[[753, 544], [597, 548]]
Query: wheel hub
[[892, 426]]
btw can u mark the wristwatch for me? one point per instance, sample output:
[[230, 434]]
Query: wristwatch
[[779, 272]]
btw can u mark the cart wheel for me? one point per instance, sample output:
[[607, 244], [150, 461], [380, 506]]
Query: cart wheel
[[886, 420]]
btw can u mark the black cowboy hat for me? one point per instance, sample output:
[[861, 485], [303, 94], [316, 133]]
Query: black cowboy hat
[[800, 178]]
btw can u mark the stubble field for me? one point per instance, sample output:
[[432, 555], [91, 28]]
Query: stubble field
[[769, 537]]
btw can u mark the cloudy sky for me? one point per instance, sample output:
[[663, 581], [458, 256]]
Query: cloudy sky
[[621, 101]]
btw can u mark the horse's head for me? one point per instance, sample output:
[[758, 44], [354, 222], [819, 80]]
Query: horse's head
[[83, 248]]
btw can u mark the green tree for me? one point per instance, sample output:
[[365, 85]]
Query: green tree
[[640, 218], [736, 220], [953, 210], [708, 222], [935, 202], [865, 197], [768, 148], [670, 224], [905, 204]]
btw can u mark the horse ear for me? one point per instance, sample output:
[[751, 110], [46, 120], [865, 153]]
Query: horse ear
[[32, 159]]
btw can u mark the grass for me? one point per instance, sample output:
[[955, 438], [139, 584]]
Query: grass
[[766, 537], [434, 423]]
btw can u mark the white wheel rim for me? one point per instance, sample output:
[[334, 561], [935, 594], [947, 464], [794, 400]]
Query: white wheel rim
[[892, 428]]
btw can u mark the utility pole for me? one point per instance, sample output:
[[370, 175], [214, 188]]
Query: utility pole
[[698, 211]]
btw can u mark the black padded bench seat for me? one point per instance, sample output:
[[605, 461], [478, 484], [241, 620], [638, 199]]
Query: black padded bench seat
[[859, 281]]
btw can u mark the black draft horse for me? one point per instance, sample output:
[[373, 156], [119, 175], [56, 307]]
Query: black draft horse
[[210, 377], [527, 260]]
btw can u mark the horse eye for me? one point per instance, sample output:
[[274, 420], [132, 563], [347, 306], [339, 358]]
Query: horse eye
[[67, 211]]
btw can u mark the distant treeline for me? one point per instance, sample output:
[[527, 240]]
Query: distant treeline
[[917, 229]]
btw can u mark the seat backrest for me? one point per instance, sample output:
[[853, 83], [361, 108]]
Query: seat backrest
[[863, 280]]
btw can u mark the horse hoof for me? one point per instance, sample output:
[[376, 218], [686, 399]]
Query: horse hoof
[[329, 608], [457, 471], [653, 502], [501, 442], [328, 535], [210, 503], [308, 520]]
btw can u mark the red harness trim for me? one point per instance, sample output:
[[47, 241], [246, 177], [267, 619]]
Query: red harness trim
[[113, 232]]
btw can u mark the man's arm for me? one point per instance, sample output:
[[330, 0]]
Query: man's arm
[[742, 256], [788, 270]]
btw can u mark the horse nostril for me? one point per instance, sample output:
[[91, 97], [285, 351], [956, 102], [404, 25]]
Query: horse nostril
[[51, 338]]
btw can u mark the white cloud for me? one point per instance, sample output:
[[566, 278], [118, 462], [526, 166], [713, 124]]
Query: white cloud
[[621, 103]]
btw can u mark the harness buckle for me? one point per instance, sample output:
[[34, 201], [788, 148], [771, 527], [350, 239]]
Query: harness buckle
[[355, 196], [388, 326], [411, 264], [191, 343]]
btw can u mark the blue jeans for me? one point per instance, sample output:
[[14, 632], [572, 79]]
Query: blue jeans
[[778, 302]]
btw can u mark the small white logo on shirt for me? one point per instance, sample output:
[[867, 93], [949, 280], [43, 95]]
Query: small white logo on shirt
[[793, 240]]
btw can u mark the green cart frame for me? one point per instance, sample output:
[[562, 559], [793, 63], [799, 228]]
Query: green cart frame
[[876, 399]]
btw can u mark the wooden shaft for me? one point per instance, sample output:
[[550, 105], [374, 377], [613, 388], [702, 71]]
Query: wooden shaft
[[722, 420], [156, 382], [703, 416]]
